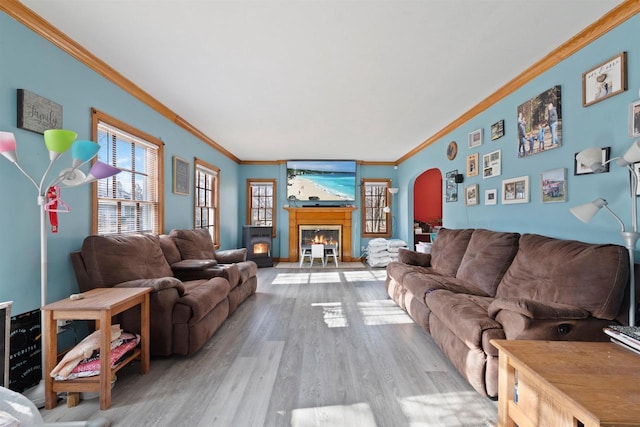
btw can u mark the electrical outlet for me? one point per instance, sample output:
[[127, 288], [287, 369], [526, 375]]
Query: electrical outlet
[[63, 324]]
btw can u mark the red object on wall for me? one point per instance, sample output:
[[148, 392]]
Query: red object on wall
[[427, 196]]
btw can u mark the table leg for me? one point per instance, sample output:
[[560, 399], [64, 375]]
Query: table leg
[[105, 359], [144, 334], [50, 347]]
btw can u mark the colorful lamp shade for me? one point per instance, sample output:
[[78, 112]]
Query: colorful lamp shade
[[58, 141], [101, 170], [83, 151], [8, 146]]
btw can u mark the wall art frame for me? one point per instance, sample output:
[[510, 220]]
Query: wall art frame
[[605, 80], [180, 176], [36, 113], [497, 130], [451, 190], [491, 196], [491, 164], [580, 169], [475, 138], [540, 123], [515, 190], [553, 185], [471, 195], [472, 164], [634, 119]]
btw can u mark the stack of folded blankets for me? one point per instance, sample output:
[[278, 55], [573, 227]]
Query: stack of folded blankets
[[380, 252], [83, 360]]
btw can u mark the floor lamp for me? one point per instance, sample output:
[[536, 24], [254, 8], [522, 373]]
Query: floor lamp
[[387, 209], [592, 159], [57, 142]]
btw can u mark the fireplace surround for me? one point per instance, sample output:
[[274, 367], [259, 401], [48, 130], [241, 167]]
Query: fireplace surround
[[324, 216]]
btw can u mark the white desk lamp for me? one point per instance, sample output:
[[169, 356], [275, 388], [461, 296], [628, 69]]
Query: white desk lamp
[[592, 159]]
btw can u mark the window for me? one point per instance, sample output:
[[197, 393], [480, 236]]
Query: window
[[375, 197], [206, 189], [131, 201], [261, 197]]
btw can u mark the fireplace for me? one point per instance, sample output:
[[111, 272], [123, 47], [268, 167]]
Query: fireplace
[[328, 235], [258, 242], [327, 216]]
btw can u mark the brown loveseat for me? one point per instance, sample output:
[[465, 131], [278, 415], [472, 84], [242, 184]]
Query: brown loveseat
[[184, 312], [477, 285]]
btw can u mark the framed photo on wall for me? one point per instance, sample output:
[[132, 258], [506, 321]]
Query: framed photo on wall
[[580, 169], [471, 195], [491, 164], [554, 185], [497, 130], [605, 80], [491, 196], [180, 176], [540, 123], [475, 138], [634, 119], [472, 164], [451, 192], [515, 190]]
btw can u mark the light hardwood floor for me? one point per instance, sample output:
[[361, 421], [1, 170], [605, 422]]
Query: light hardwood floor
[[311, 348]]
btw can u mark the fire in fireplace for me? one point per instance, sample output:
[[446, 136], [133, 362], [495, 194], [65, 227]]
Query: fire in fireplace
[[323, 234]]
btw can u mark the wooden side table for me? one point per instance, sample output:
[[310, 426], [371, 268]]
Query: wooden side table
[[562, 383], [100, 305]]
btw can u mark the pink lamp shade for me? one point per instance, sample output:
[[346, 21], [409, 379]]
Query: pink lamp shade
[[8, 146], [101, 170]]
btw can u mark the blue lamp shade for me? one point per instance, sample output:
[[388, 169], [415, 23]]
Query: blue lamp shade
[[8, 146], [58, 141], [83, 151], [101, 170]]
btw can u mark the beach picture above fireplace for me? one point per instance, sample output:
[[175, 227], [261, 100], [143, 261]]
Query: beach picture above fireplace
[[321, 180]]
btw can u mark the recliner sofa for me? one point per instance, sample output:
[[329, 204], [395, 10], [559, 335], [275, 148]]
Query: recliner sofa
[[477, 285], [185, 311]]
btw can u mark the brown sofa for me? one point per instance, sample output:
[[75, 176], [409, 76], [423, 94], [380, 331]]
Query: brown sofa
[[477, 285], [185, 312]]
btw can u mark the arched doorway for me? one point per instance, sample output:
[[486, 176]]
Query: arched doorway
[[427, 199]]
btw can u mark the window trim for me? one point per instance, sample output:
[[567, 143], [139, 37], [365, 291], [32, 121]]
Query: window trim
[[363, 209], [249, 201], [216, 197], [98, 116]]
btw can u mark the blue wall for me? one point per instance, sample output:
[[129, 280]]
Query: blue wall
[[30, 62], [602, 124]]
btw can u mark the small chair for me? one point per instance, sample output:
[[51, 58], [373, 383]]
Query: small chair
[[305, 251], [317, 251], [331, 251]]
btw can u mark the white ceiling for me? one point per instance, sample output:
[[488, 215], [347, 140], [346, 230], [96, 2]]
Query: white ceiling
[[357, 79]]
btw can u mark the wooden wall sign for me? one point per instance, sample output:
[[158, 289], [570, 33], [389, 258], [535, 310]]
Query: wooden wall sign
[[36, 113]]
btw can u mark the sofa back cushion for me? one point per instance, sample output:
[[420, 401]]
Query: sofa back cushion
[[487, 258], [448, 249], [194, 244], [110, 260], [590, 276]]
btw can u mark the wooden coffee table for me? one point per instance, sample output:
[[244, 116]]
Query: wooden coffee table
[[100, 305], [562, 383]]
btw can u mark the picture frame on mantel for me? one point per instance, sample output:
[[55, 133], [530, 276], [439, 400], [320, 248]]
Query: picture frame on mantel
[[180, 176], [36, 113]]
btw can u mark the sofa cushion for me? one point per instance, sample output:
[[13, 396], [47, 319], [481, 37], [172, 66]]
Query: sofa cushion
[[110, 260], [200, 297], [407, 256], [565, 271], [194, 244], [448, 249], [169, 249], [487, 258]]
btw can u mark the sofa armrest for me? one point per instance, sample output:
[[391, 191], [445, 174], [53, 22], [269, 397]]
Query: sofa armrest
[[193, 264], [407, 256], [155, 284], [537, 310], [230, 256]]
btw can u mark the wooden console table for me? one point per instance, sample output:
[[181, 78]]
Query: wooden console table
[[99, 305], [561, 383]]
